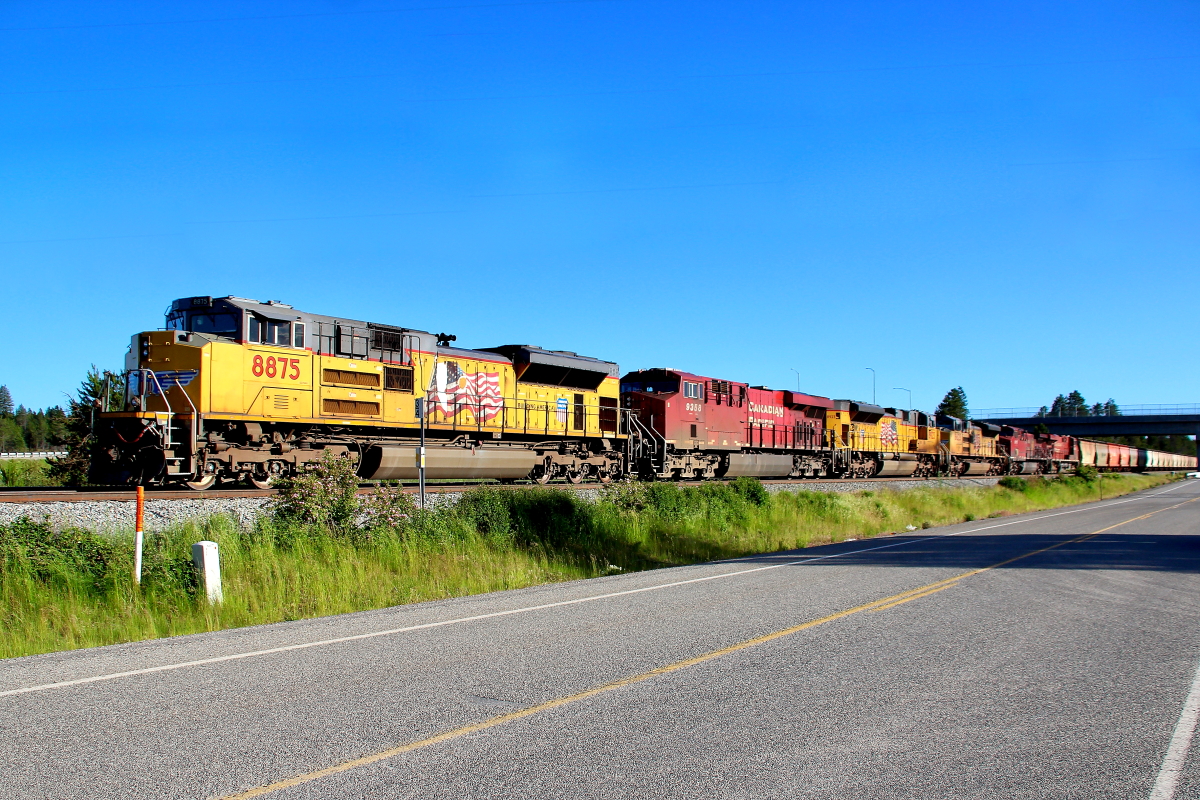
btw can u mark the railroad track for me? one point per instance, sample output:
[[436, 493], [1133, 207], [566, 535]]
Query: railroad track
[[57, 494]]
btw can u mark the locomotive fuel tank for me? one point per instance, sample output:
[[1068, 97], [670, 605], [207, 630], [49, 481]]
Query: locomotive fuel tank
[[758, 465], [399, 463]]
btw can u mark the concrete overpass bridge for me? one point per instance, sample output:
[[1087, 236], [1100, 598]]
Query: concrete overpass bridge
[[1154, 420]]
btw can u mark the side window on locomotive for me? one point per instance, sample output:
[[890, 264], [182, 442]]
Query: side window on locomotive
[[270, 332], [298, 333], [279, 333]]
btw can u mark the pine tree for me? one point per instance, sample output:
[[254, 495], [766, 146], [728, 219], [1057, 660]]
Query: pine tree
[[72, 469], [1076, 405], [954, 404], [35, 430], [56, 427], [1071, 405], [6, 402], [11, 440]]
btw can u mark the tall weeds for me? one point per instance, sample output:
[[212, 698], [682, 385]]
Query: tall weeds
[[69, 589], [25, 472]]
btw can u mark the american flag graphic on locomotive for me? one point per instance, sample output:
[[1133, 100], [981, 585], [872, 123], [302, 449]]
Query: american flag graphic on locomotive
[[453, 390]]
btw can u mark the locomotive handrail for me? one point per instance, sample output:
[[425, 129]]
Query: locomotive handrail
[[168, 443], [520, 416]]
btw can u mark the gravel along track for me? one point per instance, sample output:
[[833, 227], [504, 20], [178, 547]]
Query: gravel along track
[[117, 515]]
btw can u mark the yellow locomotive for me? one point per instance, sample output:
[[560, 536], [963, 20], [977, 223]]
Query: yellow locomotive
[[869, 440], [974, 447], [238, 389]]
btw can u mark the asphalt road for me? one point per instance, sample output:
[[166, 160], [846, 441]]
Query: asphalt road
[[925, 666]]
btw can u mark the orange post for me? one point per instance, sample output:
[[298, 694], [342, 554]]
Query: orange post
[[137, 536]]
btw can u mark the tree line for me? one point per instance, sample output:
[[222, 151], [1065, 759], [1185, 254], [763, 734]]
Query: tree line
[[1073, 404], [24, 429]]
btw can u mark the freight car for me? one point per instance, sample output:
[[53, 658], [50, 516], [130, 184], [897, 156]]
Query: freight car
[[234, 389]]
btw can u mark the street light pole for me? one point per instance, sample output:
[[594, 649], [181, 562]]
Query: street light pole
[[902, 389], [797, 378], [872, 384]]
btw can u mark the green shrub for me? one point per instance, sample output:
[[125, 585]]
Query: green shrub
[[489, 511], [75, 559], [1013, 482], [1087, 472], [751, 489], [388, 507], [324, 495]]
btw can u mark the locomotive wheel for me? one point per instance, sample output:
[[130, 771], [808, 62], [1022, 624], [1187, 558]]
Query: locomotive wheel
[[575, 476], [604, 476], [205, 483], [262, 481], [542, 476]]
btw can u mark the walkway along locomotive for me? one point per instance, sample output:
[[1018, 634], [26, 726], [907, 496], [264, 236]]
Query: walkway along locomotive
[[235, 389]]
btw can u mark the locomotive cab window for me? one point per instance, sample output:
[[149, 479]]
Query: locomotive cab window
[[691, 390], [268, 331], [217, 324]]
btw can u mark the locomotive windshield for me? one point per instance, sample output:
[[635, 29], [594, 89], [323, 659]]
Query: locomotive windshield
[[660, 386], [218, 323]]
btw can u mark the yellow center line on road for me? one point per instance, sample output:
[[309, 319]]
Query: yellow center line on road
[[913, 597], [876, 605]]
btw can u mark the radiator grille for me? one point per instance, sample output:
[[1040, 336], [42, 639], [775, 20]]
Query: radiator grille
[[359, 407], [387, 340], [281, 402], [352, 377], [398, 379]]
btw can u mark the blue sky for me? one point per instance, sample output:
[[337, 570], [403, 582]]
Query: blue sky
[[997, 195]]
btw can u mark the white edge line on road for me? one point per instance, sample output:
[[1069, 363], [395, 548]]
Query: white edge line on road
[[1172, 765], [527, 609]]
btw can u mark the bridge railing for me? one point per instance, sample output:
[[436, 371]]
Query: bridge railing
[[37, 454], [1124, 411]]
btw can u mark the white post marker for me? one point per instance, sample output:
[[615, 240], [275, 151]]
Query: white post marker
[[137, 536], [207, 559], [421, 403]]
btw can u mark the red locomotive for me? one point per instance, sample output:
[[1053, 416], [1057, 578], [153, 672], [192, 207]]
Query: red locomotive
[[698, 427]]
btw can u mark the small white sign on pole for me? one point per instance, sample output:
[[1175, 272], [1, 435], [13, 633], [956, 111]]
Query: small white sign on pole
[[207, 559]]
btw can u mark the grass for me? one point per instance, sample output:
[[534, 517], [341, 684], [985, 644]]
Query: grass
[[74, 588], [25, 472]]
